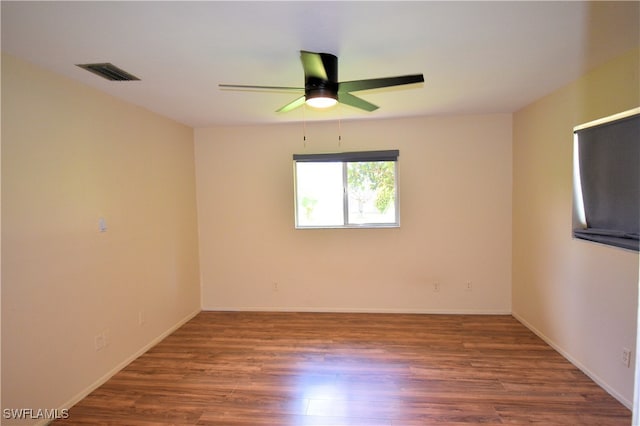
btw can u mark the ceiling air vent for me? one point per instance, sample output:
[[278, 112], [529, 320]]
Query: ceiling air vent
[[109, 71]]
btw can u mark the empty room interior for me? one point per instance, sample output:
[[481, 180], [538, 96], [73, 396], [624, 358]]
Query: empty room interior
[[187, 239]]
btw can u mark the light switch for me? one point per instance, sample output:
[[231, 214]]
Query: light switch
[[102, 224]]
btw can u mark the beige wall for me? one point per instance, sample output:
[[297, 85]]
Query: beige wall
[[455, 208], [580, 296], [71, 155]]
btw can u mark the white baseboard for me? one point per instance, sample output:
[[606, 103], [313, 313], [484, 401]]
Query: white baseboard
[[102, 380], [603, 384], [358, 310]]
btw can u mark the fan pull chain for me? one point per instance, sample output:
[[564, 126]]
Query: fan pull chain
[[304, 125], [339, 127]]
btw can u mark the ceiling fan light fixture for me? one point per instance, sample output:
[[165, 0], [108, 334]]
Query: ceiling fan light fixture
[[321, 102]]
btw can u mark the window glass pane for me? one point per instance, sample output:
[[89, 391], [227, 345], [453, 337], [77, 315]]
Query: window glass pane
[[319, 194], [371, 192]]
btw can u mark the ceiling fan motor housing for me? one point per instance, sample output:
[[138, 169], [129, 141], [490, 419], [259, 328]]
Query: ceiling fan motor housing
[[316, 86], [321, 89]]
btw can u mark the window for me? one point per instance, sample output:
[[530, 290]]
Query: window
[[607, 180], [346, 190]]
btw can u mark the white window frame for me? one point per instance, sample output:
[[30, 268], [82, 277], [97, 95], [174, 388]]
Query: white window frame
[[345, 158]]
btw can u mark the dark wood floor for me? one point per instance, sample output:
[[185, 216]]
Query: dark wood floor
[[303, 369]]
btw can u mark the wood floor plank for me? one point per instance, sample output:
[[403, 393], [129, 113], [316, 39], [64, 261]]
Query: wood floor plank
[[299, 369]]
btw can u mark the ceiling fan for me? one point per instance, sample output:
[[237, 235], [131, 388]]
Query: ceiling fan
[[322, 88]]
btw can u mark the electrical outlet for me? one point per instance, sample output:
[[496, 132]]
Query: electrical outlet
[[626, 357], [275, 287], [436, 287], [141, 318], [468, 286]]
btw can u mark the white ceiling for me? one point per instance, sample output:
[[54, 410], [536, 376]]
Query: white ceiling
[[476, 57]]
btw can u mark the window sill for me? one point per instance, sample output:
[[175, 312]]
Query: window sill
[[367, 226], [616, 241]]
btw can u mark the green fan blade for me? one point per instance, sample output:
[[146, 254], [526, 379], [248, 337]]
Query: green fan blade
[[354, 101], [292, 105], [375, 83], [313, 65]]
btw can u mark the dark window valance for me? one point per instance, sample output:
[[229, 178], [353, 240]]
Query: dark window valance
[[388, 155]]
